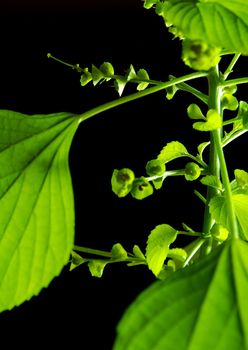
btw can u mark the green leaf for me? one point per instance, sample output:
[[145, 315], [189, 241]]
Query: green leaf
[[212, 181], [158, 244], [178, 254], [241, 177], [194, 112], [86, 77], [118, 252], [97, 266], [155, 167], [76, 260], [221, 23], [138, 253], [97, 75], [213, 122], [142, 75], [158, 183], [131, 74], [201, 147], [122, 181], [218, 210], [230, 102], [120, 84], [172, 151], [192, 171], [209, 295], [36, 202]]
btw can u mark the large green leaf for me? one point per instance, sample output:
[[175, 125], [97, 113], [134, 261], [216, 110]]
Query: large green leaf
[[203, 306], [221, 23], [36, 202]]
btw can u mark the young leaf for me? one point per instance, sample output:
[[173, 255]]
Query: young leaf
[[138, 253], [229, 102], [158, 183], [120, 84], [36, 202], [118, 252], [222, 23], [97, 75], [172, 151], [192, 171], [213, 122], [202, 147], [211, 181], [155, 167], [210, 294], [122, 181], [96, 267], [194, 112], [241, 177], [131, 74], [142, 75], [158, 244], [86, 77], [76, 260]]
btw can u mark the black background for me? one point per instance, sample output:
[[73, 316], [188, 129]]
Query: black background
[[78, 309]]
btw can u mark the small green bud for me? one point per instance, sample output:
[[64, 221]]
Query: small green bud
[[192, 171], [219, 232], [155, 167], [229, 102], [141, 188], [122, 181], [199, 55]]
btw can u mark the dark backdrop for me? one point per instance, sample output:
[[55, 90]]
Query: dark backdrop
[[78, 309]]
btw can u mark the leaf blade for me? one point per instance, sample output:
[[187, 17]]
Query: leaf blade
[[36, 202]]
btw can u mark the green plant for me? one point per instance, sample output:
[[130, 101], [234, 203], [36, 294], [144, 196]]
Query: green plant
[[203, 284]]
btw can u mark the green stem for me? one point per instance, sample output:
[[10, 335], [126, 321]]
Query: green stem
[[214, 165], [231, 65], [234, 82], [135, 96], [198, 243], [92, 251]]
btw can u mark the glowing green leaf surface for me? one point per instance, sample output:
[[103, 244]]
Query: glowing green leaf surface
[[203, 306], [36, 202], [219, 22]]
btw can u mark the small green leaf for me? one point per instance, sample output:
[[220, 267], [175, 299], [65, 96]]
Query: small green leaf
[[229, 102], [241, 177], [131, 74], [141, 188], [120, 84], [76, 260], [178, 254], [118, 252], [86, 77], [158, 183], [212, 181], [138, 253], [97, 75], [192, 171], [36, 202], [172, 151], [210, 294], [142, 75], [171, 90], [194, 112], [158, 244], [202, 147], [213, 122], [149, 3], [155, 167], [107, 70], [122, 181], [96, 267]]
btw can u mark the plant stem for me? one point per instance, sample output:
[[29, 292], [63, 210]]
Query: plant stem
[[106, 106], [92, 251], [237, 81], [214, 165], [231, 65]]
